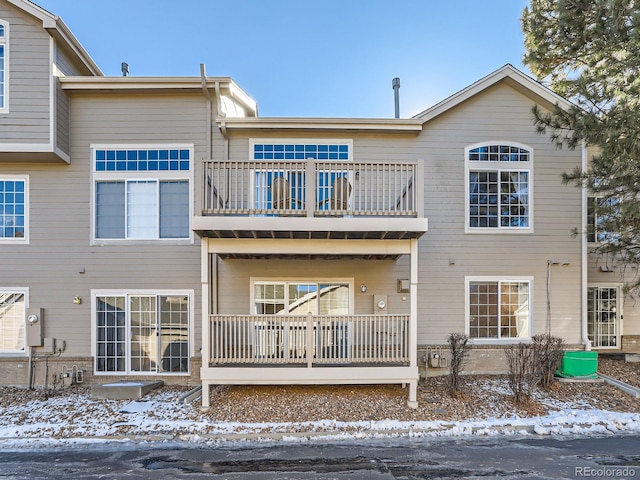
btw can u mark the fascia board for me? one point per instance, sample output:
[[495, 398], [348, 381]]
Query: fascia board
[[343, 124], [53, 23], [506, 72], [138, 83], [47, 18]]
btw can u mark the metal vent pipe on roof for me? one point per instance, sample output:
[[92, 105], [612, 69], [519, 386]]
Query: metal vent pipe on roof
[[396, 93], [125, 69]]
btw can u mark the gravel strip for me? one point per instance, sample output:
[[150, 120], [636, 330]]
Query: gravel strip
[[482, 397]]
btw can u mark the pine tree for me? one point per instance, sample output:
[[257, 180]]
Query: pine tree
[[588, 51]]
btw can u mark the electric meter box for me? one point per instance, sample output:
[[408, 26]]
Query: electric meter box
[[35, 327]]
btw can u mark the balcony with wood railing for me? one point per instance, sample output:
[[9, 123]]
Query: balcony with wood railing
[[308, 340], [240, 197]]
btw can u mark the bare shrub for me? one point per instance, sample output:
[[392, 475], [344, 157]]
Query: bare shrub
[[459, 347], [524, 374], [549, 351]]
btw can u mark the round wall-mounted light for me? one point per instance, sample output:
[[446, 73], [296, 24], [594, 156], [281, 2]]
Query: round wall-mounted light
[[363, 288], [32, 318]]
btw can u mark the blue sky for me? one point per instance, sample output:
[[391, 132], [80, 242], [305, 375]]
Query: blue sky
[[311, 58]]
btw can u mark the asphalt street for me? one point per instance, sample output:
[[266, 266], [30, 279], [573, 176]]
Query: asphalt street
[[405, 458]]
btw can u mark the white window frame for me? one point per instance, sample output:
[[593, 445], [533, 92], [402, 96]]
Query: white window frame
[[25, 291], [4, 41], [133, 293], [304, 141], [499, 279], [25, 239], [619, 313], [593, 202], [287, 280], [126, 176], [496, 166]]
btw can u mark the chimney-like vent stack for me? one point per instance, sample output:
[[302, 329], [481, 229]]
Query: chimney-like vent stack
[[125, 69], [396, 94]]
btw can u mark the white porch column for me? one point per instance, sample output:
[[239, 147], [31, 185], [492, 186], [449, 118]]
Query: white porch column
[[413, 324], [205, 333]]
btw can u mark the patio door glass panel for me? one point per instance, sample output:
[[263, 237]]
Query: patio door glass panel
[[263, 191], [603, 316], [144, 333], [325, 190]]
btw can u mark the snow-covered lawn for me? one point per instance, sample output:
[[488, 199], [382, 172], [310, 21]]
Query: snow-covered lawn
[[76, 417]]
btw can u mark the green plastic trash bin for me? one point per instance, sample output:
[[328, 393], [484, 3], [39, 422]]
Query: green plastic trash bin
[[579, 364]]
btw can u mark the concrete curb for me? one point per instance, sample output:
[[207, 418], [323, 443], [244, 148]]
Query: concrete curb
[[465, 431], [625, 387]]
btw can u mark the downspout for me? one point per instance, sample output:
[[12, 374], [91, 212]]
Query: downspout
[[223, 130], [584, 252], [205, 90], [212, 266], [31, 365]]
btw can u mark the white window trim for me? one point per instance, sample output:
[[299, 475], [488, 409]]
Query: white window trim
[[620, 288], [310, 141], [134, 292], [5, 42], [141, 176], [257, 280], [20, 240], [497, 278], [594, 225], [25, 352], [493, 166]]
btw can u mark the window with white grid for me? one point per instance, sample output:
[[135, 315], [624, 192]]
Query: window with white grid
[[498, 188], [142, 193], [498, 309], [142, 333], [12, 321], [13, 209]]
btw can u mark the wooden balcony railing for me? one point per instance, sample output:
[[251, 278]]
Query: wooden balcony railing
[[308, 339], [312, 188]]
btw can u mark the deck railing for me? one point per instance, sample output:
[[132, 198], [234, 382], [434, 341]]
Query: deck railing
[[308, 339], [311, 188]]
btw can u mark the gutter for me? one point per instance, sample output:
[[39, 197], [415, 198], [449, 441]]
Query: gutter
[[583, 246]]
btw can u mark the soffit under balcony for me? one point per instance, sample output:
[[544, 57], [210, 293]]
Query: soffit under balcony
[[295, 234], [34, 157]]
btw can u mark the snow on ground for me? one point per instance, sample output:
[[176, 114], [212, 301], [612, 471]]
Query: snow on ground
[[76, 417]]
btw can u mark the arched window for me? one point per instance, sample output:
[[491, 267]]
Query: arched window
[[498, 186]]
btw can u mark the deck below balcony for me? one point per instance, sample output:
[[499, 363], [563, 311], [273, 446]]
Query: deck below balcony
[[310, 349]]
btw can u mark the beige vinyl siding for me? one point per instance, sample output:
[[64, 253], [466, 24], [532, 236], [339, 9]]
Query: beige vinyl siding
[[60, 218], [66, 66], [498, 114], [631, 308], [29, 80], [234, 280], [62, 119]]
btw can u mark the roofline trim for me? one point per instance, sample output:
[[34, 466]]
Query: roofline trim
[[506, 71], [53, 22], [124, 84], [310, 123]]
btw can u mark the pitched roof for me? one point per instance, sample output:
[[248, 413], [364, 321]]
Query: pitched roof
[[57, 29], [508, 74]]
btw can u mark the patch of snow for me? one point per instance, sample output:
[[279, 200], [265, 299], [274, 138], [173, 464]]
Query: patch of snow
[[77, 419]]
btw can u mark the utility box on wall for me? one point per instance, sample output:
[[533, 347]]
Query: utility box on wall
[[35, 327], [380, 303]]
